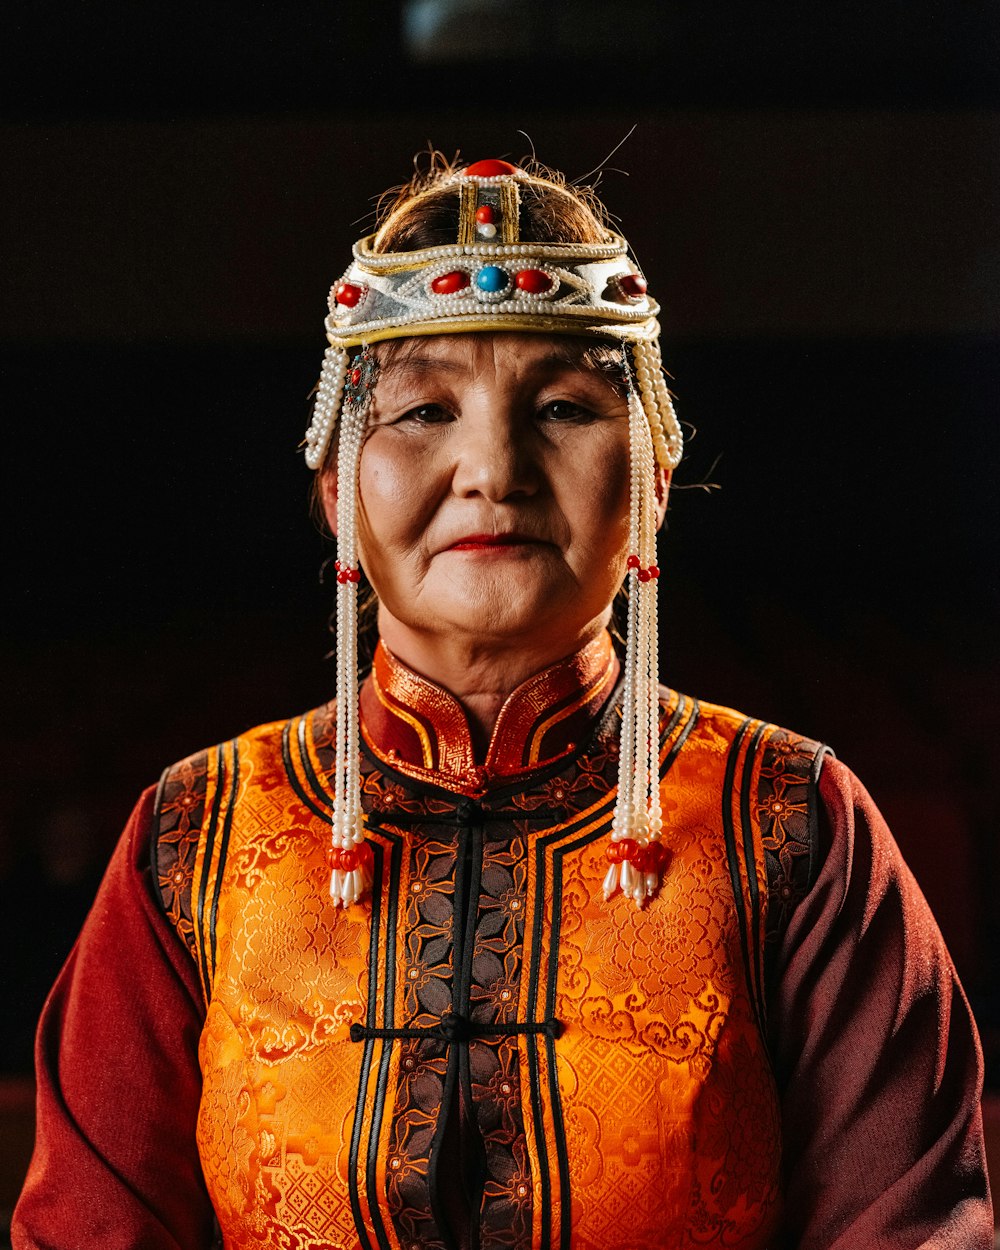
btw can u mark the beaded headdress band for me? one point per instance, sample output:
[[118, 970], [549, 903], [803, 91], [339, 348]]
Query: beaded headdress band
[[490, 280]]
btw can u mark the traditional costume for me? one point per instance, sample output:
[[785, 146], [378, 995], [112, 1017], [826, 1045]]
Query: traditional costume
[[480, 1040]]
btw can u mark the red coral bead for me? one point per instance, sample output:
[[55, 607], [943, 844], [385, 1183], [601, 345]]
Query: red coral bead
[[534, 281], [633, 284], [654, 857], [644, 575], [448, 283], [490, 169], [354, 575], [348, 294], [653, 571], [484, 214], [633, 562]]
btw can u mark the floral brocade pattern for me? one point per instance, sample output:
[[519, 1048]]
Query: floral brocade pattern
[[786, 809], [631, 1100], [180, 811]]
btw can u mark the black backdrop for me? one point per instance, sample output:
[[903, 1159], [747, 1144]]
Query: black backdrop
[[814, 200]]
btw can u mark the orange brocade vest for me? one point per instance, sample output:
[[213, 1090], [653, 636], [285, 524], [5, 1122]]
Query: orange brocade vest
[[485, 1053]]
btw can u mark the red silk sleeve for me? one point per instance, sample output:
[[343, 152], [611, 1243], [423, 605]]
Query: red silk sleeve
[[115, 1163], [877, 1054]]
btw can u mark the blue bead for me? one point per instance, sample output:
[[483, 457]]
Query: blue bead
[[491, 278]]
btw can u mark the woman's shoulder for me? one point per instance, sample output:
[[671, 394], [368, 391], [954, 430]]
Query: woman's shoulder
[[193, 792], [267, 742], [763, 742]]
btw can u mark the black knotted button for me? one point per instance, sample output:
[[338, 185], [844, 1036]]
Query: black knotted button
[[467, 811], [454, 1028]]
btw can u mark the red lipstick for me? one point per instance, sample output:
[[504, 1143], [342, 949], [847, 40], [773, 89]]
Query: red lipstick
[[490, 542]]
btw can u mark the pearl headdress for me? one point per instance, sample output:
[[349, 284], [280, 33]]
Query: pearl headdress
[[490, 280]]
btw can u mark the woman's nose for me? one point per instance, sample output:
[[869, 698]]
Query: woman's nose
[[494, 457]]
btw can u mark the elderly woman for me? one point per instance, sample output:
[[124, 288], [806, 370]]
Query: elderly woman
[[512, 947]]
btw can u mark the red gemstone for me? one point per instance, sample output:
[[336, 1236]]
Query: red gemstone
[[484, 215], [653, 571], [633, 562], [633, 284], [355, 376], [534, 281], [641, 860], [448, 283], [365, 856], [644, 575], [333, 857], [348, 294], [491, 169], [349, 859], [629, 846], [614, 853]]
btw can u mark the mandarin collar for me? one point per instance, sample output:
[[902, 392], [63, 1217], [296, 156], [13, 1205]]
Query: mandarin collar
[[421, 730]]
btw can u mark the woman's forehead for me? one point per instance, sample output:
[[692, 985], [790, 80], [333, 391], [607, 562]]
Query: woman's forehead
[[507, 352]]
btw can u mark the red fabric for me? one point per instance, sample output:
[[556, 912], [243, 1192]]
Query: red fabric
[[115, 1163], [876, 1053], [873, 1041]]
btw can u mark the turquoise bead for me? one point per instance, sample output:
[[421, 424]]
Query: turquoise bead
[[491, 278]]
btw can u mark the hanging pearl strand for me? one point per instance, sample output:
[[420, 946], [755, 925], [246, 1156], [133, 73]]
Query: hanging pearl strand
[[668, 442], [622, 823], [636, 854], [328, 396], [349, 854]]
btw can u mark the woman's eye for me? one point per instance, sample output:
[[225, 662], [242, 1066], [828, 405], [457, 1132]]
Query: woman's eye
[[426, 414], [564, 410]]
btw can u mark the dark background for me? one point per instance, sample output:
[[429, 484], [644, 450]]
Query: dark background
[[812, 191]]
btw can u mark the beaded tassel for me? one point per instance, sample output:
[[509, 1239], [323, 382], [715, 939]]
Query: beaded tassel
[[636, 854], [350, 856], [327, 406]]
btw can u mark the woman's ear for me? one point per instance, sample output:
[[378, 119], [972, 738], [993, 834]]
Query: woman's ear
[[662, 491], [328, 495]]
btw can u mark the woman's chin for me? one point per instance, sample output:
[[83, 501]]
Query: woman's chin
[[499, 610]]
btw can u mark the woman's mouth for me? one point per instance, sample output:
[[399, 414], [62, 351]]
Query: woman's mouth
[[487, 543]]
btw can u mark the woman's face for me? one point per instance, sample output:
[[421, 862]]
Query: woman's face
[[494, 490]]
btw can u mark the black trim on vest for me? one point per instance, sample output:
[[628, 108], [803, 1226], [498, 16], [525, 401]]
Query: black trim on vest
[[366, 1060], [731, 854], [293, 778], [213, 821], [224, 847], [154, 838], [756, 986], [388, 1015]]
